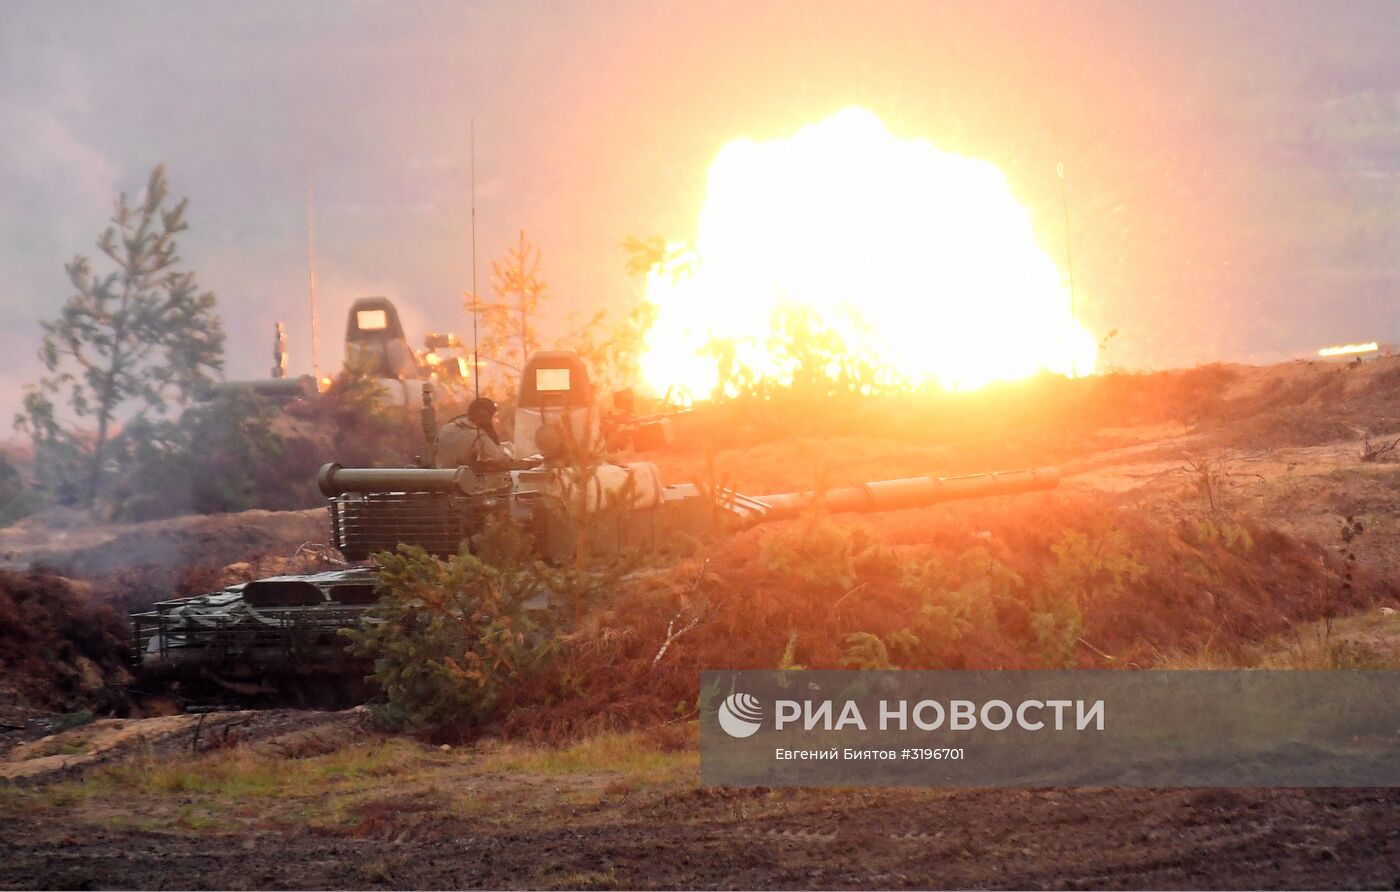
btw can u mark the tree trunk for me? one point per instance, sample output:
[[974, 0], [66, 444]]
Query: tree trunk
[[95, 475], [104, 422]]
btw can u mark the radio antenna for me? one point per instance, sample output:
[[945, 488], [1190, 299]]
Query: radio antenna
[[476, 301], [311, 271], [1069, 258]]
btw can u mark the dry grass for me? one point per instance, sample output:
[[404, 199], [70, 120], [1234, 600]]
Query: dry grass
[[240, 782], [1368, 640], [382, 788], [636, 757]]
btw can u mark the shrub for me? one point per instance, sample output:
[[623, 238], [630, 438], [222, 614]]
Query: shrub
[[363, 431], [812, 552], [222, 455], [1233, 536], [1057, 624], [865, 650], [449, 637], [957, 602], [1091, 568], [975, 605], [788, 661], [1094, 565], [16, 499]]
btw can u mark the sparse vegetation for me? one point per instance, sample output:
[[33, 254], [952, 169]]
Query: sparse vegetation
[[1215, 476], [1378, 450], [639, 756], [239, 773], [1369, 640]]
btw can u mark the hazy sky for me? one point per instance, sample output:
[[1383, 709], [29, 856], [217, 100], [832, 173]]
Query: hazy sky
[[1233, 168]]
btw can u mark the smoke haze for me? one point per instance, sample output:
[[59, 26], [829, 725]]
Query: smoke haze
[[1233, 170]]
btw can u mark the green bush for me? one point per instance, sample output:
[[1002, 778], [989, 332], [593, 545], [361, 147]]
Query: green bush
[[450, 637], [974, 601], [364, 432], [1234, 536], [813, 552], [865, 650], [1094, 566], [957, 601], [1091, 568], [219, 456], [16, 499], [1057, 623]]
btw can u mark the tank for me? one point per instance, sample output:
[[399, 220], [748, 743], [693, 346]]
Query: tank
[[286, 625], [269, 636], [376, 348]]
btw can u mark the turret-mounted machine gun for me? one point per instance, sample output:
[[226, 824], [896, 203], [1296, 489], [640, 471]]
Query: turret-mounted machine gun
[[286, 626]]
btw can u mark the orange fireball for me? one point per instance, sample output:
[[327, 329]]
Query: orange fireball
[[920, 260]]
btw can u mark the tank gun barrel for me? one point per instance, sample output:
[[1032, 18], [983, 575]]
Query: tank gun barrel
[[276, 389], [334, 480], [911, 492]]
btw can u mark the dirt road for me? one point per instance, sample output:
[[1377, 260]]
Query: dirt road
[[297, 799], [746, 839]]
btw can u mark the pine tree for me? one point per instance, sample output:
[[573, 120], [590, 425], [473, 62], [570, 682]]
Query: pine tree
[[127, 340], [510, 322]]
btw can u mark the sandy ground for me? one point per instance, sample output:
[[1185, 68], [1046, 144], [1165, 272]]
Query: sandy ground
[[471, 819]]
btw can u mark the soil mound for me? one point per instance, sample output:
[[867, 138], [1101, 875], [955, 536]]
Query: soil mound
[[1057, 581], [62, 647], [280, 733], [142, 563]]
